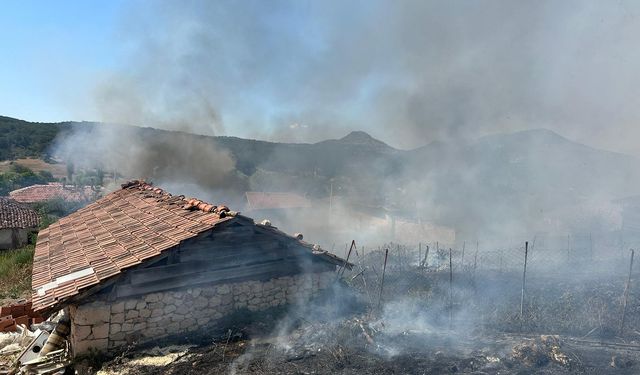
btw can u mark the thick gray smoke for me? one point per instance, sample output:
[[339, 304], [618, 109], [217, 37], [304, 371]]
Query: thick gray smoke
[[176, 161], [408, 72], [411, 73]]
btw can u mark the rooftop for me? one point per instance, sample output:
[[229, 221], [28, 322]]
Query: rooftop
[[16, 215], [119, 231], [266, 201], [41, 193]]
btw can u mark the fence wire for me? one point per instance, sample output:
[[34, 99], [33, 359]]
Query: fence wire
[[575, 288]]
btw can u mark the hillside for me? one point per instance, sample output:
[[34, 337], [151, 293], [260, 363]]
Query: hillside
[[501, 182], [510, 181], [19, 139]]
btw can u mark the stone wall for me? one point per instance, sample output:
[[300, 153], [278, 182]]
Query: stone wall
[[105, 325], [13, 238]]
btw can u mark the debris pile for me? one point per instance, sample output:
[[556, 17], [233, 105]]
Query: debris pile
[[33, 346], [17, 314], [540, 351]]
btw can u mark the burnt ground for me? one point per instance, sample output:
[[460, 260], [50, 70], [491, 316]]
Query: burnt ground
[[424, 325], [345, 348]]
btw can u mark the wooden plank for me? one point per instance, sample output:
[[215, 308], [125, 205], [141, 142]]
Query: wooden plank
[[235, 229], [226, 249], [240, 232], [214, 255], [221, 245], [227, 275], [183, 269], [202, 277], [167, 272], [231, 258]]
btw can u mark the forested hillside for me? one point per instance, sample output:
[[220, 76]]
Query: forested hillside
[[20, 139], [484, 183]]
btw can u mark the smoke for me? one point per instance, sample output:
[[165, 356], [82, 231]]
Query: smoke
[[176, 161], [409, 73]]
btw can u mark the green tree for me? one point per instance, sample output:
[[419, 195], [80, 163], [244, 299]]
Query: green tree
[[19, 176], [70, 170]]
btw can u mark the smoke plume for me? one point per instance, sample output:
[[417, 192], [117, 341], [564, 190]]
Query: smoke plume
[[409, 72]]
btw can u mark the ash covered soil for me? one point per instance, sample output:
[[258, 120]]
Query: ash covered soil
[[569, 324], [361, 346]]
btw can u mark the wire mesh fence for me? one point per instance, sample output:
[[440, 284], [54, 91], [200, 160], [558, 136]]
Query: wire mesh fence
[[576, 288]]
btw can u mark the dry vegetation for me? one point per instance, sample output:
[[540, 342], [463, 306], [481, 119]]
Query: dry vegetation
[[15, 273], [57, 170], [421, 328]]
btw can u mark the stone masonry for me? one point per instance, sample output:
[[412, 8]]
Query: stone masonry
[[105, 325]]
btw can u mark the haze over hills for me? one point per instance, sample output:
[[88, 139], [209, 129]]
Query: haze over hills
[[498, 182]]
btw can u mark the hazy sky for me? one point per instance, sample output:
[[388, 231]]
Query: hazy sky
[[408, 72]]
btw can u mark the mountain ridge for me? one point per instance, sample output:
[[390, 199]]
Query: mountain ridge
[[354, 137], [478, 184]]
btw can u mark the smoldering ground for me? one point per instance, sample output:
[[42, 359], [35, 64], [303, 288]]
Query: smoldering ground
[[427, 318], [570, 323]]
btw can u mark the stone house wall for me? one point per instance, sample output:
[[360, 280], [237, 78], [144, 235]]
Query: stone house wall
[[105, 325], [13, 238]]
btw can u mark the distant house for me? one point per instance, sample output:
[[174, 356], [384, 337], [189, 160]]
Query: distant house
[[16, 222], [285, 209], [141, 264], [42, 193], [260, 201]]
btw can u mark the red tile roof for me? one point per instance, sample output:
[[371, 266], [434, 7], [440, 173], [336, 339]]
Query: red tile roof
[[266, 201], [16, 215], [40, 193], [112, 234], [119, 231]]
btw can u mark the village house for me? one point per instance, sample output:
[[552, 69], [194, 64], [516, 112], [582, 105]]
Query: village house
[[275, 202], [141, 264], [16, 222], [54, 190]]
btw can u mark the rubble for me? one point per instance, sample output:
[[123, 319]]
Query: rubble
[[54, 362], [34, 346], [540, 351], [19, 313]]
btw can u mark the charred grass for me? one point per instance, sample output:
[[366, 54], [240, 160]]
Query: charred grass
[[426, 320], [411, 333]]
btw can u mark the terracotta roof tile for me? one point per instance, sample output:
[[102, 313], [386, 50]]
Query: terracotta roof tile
[[119, 231], [110, 235], [40, 193], [16, 215]]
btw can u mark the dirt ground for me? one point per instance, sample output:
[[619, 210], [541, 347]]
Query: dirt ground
[[570, 324], [361, 346]]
